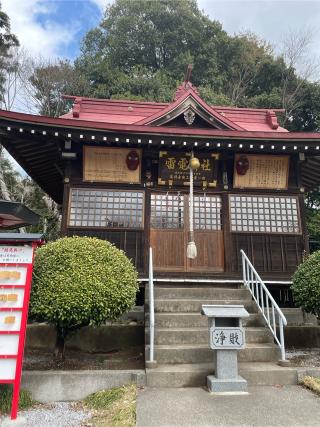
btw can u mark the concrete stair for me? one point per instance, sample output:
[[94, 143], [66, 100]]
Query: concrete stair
[[172, 336], [182, 343], [194, 375]]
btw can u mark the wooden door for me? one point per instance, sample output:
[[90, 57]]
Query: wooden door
[[208, 235], [167, 235], [169, 227]]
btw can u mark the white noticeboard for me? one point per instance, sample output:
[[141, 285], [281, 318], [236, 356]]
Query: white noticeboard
[[9, 345], [225, 338], [7, 369], [10, 321], [16, 254]]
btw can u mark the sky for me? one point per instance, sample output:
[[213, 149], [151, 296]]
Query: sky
[[55, 28]]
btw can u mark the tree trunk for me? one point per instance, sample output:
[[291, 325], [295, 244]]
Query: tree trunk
[[5, 195], [59, 350]]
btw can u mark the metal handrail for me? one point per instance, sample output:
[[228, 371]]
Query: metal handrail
[[151, 307], [264, 301]]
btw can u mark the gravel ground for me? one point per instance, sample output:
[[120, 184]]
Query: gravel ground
[[60, 414], [123, 359], [306, 357]]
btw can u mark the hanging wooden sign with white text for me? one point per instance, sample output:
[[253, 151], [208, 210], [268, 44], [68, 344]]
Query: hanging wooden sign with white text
[[261, 171]]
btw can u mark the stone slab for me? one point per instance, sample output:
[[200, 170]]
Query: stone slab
[[234, 385], [264, 407]]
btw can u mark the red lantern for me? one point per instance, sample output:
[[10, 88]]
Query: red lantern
[[242, 165], [132, 160]]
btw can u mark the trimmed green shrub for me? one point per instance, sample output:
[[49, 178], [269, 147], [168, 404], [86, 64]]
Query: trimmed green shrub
[[80, 281], [306, 284]]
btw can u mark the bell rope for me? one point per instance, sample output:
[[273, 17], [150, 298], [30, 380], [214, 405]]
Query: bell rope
[[191, 247]]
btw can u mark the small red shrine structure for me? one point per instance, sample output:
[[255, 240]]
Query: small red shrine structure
[[120, 170]]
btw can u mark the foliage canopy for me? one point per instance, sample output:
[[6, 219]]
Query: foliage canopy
[[80, 281], [306, 284]]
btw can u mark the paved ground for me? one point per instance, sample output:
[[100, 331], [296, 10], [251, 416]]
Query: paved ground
[[263, 406]]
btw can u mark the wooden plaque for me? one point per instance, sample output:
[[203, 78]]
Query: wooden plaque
[[265, 171], [104, 164], [174, 169]]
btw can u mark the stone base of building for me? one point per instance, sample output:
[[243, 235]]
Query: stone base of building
[[232, 385]]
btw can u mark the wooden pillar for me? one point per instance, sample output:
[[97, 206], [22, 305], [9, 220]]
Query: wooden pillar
[[146, 240], [305, 234], [225, 222], [65, 202]]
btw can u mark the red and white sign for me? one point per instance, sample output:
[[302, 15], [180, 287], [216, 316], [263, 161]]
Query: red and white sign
[[16, 264]]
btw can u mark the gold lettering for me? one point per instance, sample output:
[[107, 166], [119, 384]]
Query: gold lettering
[[183, 164], [171, 162], [12, 297], [205, 165]]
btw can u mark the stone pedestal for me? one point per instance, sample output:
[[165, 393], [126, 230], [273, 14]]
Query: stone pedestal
[[226, 338], [226, 378]]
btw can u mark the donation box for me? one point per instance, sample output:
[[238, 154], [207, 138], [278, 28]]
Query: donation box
[[16, 264]]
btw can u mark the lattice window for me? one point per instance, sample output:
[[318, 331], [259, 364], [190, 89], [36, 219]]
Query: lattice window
[[167, 211], [264, 214], [106, 208], [207, 212]]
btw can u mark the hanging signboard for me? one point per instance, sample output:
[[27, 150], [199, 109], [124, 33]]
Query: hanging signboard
[[16, 264], [174, 169], [105, 164], [261, 171]]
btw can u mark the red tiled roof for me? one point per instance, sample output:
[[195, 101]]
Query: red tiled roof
[[112, 111], [125, 112]]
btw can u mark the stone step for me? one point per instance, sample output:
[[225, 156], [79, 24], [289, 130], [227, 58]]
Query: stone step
[[178, 336], [194, 375], [201, 353], [216, 293], [194, 320], [194, 305]]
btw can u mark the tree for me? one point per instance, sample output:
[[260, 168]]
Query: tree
[[138, 43], [44, 82], [7, 41], [159, 38], [14, 64], [35, 199], [80, 281]]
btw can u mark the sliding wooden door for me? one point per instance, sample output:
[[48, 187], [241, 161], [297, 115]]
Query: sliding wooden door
[[169, 227]]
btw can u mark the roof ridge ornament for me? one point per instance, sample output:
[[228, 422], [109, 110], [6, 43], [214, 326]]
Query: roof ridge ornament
[[76, 106], [272, 119], [186, 85], [188, 73]]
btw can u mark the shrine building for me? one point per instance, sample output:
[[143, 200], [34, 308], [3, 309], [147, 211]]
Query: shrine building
[[120, 170]]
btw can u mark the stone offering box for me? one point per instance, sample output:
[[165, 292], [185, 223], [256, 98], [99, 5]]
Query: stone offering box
[[226, 335]]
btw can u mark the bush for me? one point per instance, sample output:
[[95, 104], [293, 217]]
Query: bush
[[80, 281], [306, 284]]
